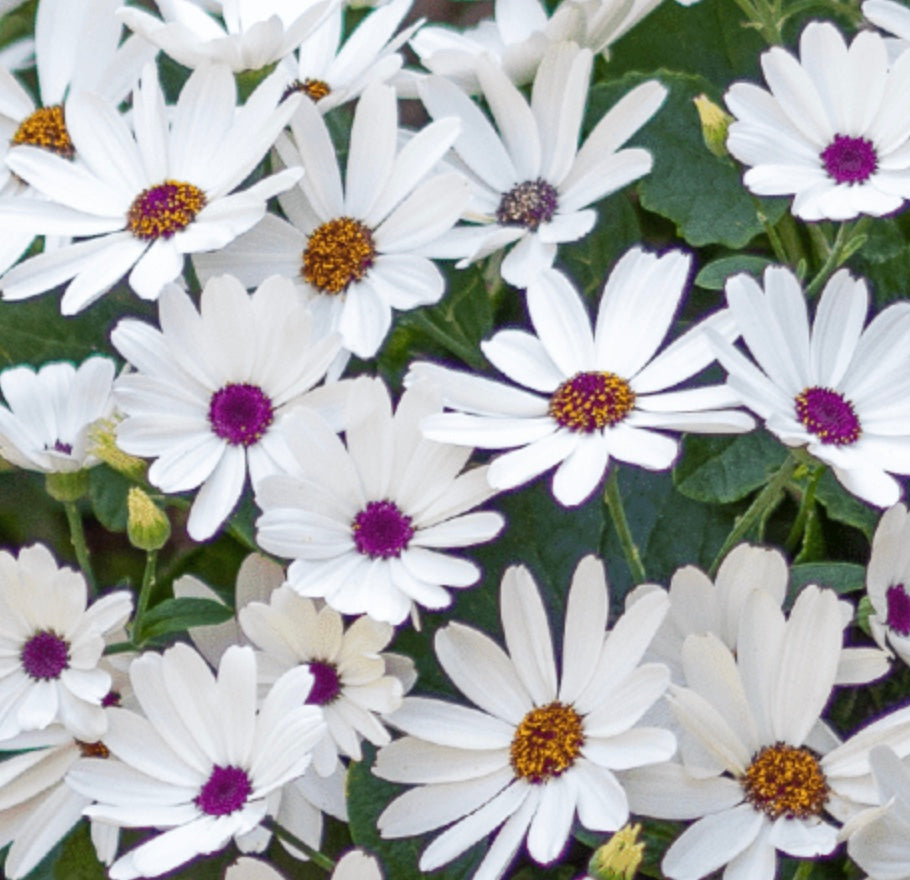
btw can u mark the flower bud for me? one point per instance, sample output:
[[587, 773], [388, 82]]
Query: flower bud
[[714, 124], [619, 857], [147, 525]]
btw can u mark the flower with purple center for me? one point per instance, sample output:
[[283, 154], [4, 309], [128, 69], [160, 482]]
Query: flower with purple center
[[51, 643], [887, 581], [368, 522], [202, 762], [834, 387], [830, 131], [213, 388]]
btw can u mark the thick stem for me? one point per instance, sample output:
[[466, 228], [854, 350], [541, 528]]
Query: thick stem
[[145, 592], [316, 857], [77, 538], [764, 503], [613, 500]]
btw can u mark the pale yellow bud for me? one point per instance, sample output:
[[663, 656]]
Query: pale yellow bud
[[103, 445], [147, 525], [620, 857], [714, 124]]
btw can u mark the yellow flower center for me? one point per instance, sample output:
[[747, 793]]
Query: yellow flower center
[[338, 253], [785, 781], [46, 128], [589, 401], [93, 750], [314, 89], [165, 209], [546, 743]]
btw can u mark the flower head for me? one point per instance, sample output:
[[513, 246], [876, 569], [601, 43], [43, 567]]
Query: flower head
[[369, 523], [539, 749], [213, 389], [831, 132], [837, 389], [592, 394], [888, 582]]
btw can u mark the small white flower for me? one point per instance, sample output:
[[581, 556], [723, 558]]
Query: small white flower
[[594, 395], [888, 582], [839, 390], [531, 181], [353, 681], [51, 411], [140, 201], [51, 645], [352, 247], [203, 761], [214, 387], [369, 524], [255, 33], [832, 132], [538, 751]]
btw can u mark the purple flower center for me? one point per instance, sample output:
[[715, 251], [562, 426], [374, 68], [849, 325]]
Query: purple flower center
[[381, 530], [828, 415], [240, 414], [528, 204], [898, 610], [849, 159], [590, 401], [226, 791], [162, 211], [45, 655], [326, 684], [60, 446]]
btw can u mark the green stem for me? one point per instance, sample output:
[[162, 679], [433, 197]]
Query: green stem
[[316, 857], [77, 538], [846, 235], [798, 529], [764, 503], [613, 500], [464, 352], [803, 869], [145, 592]]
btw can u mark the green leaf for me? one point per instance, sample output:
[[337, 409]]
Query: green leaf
[[701, 194], [842, 577], [78, 860], [179, 615], [722, 469], [714, 275], [107, 493], [843, 507]]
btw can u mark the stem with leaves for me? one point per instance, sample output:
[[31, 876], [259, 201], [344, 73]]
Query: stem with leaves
[[145, 592], [316, 857]]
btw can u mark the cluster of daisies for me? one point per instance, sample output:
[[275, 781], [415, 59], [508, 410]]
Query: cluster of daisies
[[277, 275]]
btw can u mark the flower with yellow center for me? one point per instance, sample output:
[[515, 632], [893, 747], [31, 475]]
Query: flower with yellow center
[[541, 748], [353, 248], [759, 770], [584, 396]]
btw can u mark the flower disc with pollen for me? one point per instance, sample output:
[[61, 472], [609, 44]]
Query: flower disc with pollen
[[828, 415], [546, 743], [338, 253], [590, 401], [783, 780], [46, 128], [164, 209]]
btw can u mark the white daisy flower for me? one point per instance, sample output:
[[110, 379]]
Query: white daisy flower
[[832, 132], [369, 524], [537, 750], [531, 181], [837, 389], [352, 247], [354, 865], [888, 582], [593, 395], [143, 201], [255, 33], [214, 387], [203, 762], [76, 48], [51, 646], [700, 605], [755, 770], [893, 18], [331, 73], [880, 842], [354, 681], [51, 412]]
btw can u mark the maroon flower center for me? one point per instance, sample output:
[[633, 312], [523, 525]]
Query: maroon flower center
[[381, 530], [240, 413], [225, 791], [528, 204], [828, 415], [849, 159], [45, 655], [590, 401], [326, 683], [898, 610]]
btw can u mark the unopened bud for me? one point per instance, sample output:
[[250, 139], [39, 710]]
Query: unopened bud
[[147, 525], [103, 445], [714, 124], [620, 857]]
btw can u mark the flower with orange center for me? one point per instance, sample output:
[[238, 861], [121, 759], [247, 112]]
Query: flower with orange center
[[539, 749], [46, 128]]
